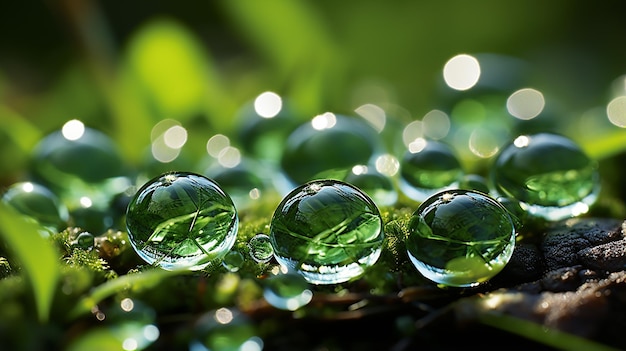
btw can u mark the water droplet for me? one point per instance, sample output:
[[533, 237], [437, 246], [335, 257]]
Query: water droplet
[[518, 215], [264, 126], [549, 175], [225, 329], [430, 167], [287, 291], [87, 164], [84, 241], [329, 145], [38, 203], [233, 261], [127, 325], [245, 183], [378, 186], [329, 231], [181, 220], [460, 238], [474, 182], [261, 249]]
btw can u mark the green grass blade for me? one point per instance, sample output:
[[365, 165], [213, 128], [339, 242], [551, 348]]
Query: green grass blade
[[35, 254], [140, 280], [533, 331]]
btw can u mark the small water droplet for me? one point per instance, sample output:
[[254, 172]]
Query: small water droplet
[[38, 203], [474, 182], [233, 261], [261, 249], [225, 329], [287, 291], [85, 241], [377, 185], [428, 168]]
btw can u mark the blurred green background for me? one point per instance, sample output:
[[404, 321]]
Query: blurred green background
[[123, 66]]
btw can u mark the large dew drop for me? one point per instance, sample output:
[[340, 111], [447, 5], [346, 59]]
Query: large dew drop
[[548, 174], [181, 220], [460, 238], [329, 231]]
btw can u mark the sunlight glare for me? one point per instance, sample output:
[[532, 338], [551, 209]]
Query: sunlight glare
[[461, 72], [616, 111], [73, 129], [374, 115], [525, 103], [268, 104]]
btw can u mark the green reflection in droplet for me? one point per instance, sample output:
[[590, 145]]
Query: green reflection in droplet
[[287, 291], [261, 249], [225, 329], [329, 142], [460, 238], [549, 174], [427, 168], [38, 203], [181, 220], [329, 231]]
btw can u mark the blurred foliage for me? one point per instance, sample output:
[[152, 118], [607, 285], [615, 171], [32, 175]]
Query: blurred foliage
[[121, 68]]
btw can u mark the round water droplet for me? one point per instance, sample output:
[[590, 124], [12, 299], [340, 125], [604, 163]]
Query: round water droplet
[[548, 174], [38, 203], [263, 130], [245, 183], [428, 167], [225, 329], [287, 291], [329, 231], [87, 164], [84, 241], [233, 261], [474, 182], [261, 249], [378, 186], [328, 147], [460, 238], [181, 220], [133, 324]]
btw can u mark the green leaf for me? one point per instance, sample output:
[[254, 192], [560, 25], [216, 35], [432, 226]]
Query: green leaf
[[35, 254], [142, 280], [177, 75], [294, 38]]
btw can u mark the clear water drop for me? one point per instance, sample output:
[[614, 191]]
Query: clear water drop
[[263, 131], [245, 183], [460, 238], [328, 147], [84, 240], [428, 167], [88, 164], [327, 230], [287, 291], [261, 249], [378, 186], [225, 329], [549, 174], [233, 261], [38, 203], [181, 220], [474, 182]]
